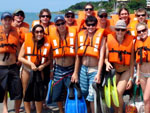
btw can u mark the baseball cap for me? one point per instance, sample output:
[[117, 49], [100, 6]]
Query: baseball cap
[[120, 24], [69, 12], [59, 18], [19, 11], [102, 11], [6, 14]]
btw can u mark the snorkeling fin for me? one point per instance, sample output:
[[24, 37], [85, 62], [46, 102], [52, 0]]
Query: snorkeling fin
[[113, 88], [49, 92], [114, 92], [97, 101], [107, 92], [75, 102]]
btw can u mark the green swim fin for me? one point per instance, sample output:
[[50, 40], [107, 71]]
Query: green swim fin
[[107, 92], [114, 92]]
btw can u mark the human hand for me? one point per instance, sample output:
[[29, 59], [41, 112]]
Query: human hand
[[97, 79], [74, 78], [108, 66], [33, 67], [41, 67]]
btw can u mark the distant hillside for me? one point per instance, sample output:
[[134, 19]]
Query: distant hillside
[[132, 5]]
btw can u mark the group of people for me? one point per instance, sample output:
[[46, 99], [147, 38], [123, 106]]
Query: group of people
[[72, 50]]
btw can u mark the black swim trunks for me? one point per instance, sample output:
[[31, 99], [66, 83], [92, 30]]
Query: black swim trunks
[[10, 81]]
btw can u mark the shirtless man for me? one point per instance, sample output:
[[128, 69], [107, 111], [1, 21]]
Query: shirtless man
[[143, 72], [63, 46], [119, 55], [90, 54], [9, 78]]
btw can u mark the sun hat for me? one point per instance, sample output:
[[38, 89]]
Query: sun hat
[[59, 18], [102, 11], [19, 11], [120, 24], [6, 14]]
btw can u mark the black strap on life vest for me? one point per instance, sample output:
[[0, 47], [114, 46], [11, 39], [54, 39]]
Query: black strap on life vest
[[139, 50], [120, 53]]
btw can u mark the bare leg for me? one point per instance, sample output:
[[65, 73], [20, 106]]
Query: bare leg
[[60, 106], [5, 107], [145, 87], [17, 105], [121, 87], [38, 106], [27, 107], [92, 107]]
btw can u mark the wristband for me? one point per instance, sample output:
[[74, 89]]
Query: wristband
[[137, 77], [130, 79]]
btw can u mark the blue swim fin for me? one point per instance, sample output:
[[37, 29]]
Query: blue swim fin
[[75, 102], [49, 92]]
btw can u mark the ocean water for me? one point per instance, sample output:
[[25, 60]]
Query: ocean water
[[29, 17]]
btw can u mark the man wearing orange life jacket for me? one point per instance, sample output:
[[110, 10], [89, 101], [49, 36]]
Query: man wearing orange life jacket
[[119, 55], [88, 11], [141, 15], [90, 55], [21, 26], [44, 20], [103, 22], [10, 80], [142, 49], [63, 40]]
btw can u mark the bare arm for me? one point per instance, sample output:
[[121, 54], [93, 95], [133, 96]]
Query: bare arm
[[101, 60]]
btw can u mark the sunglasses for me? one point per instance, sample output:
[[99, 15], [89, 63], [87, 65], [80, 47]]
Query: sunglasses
[[60, 24], [90, 9], [121, 30], [67, 16], [43, 16], [19, 14], [41, 31], [141, 31], [140, 15], [103, 16], [94, 24]]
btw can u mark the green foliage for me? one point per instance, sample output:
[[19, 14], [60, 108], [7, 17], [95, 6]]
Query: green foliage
[[132, 5]]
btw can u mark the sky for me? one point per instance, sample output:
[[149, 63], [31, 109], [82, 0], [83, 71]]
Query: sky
[[37, 5]]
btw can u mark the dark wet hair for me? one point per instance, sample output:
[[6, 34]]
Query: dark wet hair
[[45, 10], [89, 5], [123, 8], [91, 19], [40, 42]]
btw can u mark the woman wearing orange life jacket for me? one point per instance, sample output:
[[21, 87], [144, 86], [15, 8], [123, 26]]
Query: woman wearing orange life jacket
[[44, 20], [142, 48], [119, 55], [34, 55]]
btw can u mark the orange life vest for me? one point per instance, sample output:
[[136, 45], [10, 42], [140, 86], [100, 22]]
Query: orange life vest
[[120, 53], [8, 43], [37, 56], [63, 47], [87, 46], [35, 22], [108, 29], [142, 49], [24, 28]]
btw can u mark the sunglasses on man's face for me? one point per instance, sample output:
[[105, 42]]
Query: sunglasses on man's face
[[69, 16], [90, 9], [19, 14], [121, 30], [93, 24], [103, 16], [59, 24], [142, 31], [141, 15]]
